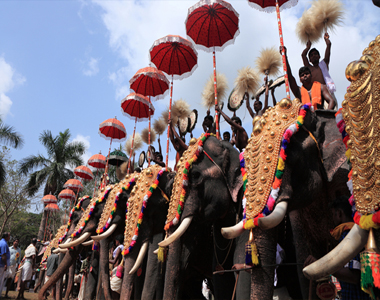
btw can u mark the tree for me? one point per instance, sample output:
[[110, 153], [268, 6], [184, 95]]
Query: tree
[[54, 170], [12, 193], [10, 137]]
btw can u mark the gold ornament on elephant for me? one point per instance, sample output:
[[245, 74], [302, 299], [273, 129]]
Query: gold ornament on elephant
[[261, 154], [178, 180], [361, 113], [54, 243], [143, 183]]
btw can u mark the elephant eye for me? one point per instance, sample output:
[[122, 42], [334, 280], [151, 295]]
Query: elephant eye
[[195, 175]]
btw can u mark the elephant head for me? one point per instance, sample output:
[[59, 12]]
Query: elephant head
[[205, 194], [359, 120]]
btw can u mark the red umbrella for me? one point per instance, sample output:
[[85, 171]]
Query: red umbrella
[[111, 129], [84, 172], [149, 81], [177, 57], [49, 199], [139, 108], [97, 161], [66, 194], [271, 6], [212, 25], [73, 184], [52, 207]]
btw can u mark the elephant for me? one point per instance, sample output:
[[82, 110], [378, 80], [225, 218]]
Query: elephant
[[212, 201], [314, 174], [360, 123], [63, 235]]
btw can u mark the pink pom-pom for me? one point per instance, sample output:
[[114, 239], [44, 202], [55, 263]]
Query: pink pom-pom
[[270, 203]]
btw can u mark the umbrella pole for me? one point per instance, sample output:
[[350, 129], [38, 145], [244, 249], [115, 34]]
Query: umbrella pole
[[170, 110], [216, 95], [149, 134], [130, 154], [283, 52], [104, 180]]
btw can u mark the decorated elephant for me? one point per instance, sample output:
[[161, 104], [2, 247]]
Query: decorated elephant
[[294, 165], [63, 236], [358, 122]]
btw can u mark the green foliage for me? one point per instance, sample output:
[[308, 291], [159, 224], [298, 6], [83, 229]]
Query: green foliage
[[23, 225]]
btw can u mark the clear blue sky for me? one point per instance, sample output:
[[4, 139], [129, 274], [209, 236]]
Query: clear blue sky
[[66, 64]]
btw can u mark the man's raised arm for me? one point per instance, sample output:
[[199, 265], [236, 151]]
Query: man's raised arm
[[306, 62]]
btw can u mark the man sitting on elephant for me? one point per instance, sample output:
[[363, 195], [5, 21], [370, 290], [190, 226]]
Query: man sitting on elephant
[[311, 91]]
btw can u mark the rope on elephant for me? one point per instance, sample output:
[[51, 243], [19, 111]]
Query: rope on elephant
[[253, 267]]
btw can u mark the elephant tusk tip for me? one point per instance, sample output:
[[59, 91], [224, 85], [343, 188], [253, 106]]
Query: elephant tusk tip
[[162, 244], [155, 251]]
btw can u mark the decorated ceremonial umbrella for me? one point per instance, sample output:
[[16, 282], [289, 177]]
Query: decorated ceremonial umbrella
[[212, 25], [271, 6], [149, 82], [177, 57], [73, 184], [111, 129], [66, 194], [84, 172], [97, 161], [50, 202], [139, 108], [117, 157]]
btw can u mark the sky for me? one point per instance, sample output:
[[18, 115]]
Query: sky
[[67, 64]]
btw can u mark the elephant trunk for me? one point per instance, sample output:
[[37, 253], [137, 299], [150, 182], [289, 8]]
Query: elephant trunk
[[152, 271], [178, 233], [104, 268], [70, 281], [127, 286], [172, 270], [339, 256], [67, 261]]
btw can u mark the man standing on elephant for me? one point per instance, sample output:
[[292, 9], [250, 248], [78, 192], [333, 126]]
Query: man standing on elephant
[[310, 91], [239, 135], [320, 69]]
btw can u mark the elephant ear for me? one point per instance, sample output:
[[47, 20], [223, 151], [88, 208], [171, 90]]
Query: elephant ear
[[231, 169], [330, 142]]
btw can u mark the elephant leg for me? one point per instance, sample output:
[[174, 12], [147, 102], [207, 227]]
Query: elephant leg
[[70, 281], [99, 290], [63, 266], [243, 287], [153, 270], [104, 267], [262, 276], [92, 279], [172, 270], [129, 262]]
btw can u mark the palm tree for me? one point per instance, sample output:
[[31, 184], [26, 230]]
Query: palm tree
[[10, 137], [53, 171]]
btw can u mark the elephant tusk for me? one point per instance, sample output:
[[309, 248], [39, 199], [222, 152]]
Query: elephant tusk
[[351, 245], [105, 234], [87, 243], [78, 241], [155, 251], [56, 251], [275, 217], [233, 231], [140, 258], [177, 234]]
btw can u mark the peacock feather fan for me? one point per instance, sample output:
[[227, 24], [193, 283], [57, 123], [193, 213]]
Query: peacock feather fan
[[181, 109], [159, 126], [145, 136], [269, 61], [306, 29], [328, 14], [208, 95], [247, 81]]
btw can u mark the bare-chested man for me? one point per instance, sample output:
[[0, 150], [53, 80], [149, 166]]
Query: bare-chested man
[[240, 136]]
